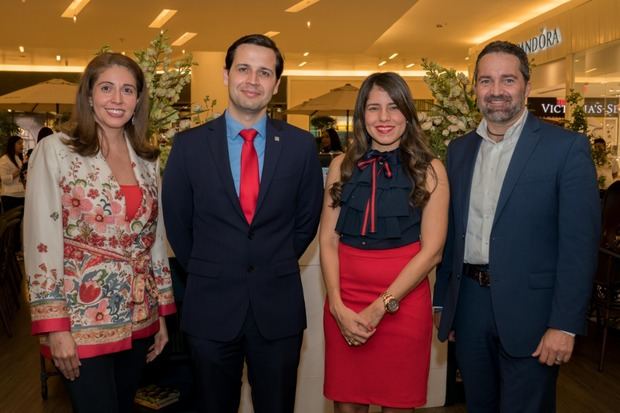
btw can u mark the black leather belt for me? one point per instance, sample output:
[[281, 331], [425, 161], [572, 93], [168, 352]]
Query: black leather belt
[[480, 273]]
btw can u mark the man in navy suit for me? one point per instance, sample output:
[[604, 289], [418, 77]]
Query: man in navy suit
[[242, 197], [514, 284]]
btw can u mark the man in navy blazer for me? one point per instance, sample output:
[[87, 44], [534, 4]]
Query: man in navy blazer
[[244, 298], [514, 284]]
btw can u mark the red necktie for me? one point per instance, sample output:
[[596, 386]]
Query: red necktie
[[249, 184]]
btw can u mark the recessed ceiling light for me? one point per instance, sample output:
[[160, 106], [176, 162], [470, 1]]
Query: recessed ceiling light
[[308, 24], [393, 56], [302, 64], [21, 49], [381, 63], [58, 58], [409, 65], [466, 57], [184, 38], [271, 33], [162, 18], [299, 6], [306, 54], [74, 9]]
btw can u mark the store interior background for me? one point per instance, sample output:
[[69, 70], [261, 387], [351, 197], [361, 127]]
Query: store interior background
[[345, 40]]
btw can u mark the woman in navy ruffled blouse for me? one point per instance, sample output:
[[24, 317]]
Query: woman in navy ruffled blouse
[[383, 228]]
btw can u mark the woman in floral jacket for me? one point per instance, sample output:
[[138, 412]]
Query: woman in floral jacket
[[94, 241]]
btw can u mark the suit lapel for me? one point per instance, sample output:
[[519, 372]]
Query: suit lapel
[[466, 174], [525, 146], [218, 145], [273, 148]]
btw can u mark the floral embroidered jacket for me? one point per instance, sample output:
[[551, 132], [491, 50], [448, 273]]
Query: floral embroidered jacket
[[90, 270]]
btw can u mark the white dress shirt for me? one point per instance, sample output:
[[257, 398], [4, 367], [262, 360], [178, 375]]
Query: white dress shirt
[[489, 172]]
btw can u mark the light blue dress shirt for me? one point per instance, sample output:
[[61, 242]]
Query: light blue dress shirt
[[235, 143]]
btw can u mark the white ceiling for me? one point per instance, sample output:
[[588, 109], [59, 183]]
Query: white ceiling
[[344, 34]]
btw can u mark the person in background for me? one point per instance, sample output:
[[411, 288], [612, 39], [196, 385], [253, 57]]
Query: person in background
[[334, 139], [43, 132], [12, 189], [23, 173], [383, 227], [94, 241], [514, 284], [242, 198]]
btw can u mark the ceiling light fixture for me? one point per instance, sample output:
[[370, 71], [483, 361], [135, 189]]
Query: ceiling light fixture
[[41, 68], [58, 58], [410, 65], [308, 24], [393, 56], [515, 21], [74, 9], [299, 6], [347, 73], [21, 49], [184, 38], [381, 63], [466, 57], [162, 18], [306, 54], [302, 64], [271, 33]]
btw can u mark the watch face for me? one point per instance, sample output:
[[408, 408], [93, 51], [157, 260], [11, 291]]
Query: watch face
[[392, 305]]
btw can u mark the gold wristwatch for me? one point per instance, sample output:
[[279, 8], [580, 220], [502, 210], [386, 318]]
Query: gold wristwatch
[[391, 304]]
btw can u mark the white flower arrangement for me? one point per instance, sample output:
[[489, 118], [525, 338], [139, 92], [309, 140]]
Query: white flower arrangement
[[165, 80], [454, 112]]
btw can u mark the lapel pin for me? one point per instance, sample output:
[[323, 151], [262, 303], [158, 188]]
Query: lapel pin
[[276, 138]]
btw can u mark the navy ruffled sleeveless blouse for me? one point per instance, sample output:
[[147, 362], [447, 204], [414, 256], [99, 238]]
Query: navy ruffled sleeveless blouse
[[374, 210]]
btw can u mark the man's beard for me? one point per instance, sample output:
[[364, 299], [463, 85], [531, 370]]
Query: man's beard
[[500, 115]]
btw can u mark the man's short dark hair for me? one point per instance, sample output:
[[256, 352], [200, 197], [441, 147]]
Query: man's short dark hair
[[258, 40], [501, 46]]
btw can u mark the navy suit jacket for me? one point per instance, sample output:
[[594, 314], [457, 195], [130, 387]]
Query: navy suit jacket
[[544, 239], [232, 265]]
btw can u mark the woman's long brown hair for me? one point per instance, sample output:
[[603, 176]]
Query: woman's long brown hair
[[85, 135], [415, 153]]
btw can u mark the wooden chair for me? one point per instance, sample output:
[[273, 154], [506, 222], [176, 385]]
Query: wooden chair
[[10, 271], [606, 294]]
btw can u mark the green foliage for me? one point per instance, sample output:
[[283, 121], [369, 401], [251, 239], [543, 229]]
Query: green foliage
[[8, 127], [454, 112], [165, 80], [322, 122], [579, 123]]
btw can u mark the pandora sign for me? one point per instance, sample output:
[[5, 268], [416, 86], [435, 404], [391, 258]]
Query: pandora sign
[[545, 40]]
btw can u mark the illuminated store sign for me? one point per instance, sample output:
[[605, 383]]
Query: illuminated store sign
[[556, 108], [545, 40]]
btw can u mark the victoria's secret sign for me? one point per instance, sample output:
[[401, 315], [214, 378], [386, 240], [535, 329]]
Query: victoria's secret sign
[[556, 107]]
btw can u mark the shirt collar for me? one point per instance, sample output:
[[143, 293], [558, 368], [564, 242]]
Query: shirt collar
[[233, 127], [513, 132]]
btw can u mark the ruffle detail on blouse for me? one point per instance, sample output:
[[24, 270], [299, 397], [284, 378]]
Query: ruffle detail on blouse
[[394, 216]]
